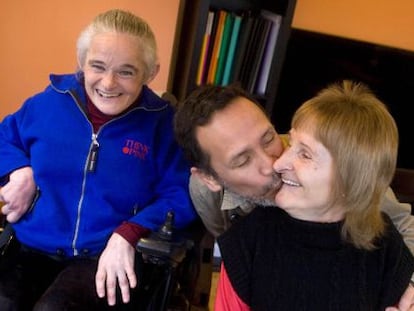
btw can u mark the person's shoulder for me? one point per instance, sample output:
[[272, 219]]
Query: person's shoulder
[[202, 195], [65, 81], [58, 84], [260, 217], [198, 187], [249, 227], [151, 101], [265, 211], [389, 225], [391, 234]]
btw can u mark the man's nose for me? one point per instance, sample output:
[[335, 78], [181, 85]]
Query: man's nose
[[266, 163]]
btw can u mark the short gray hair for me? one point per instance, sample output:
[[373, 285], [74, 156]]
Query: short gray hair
[[122, 22]]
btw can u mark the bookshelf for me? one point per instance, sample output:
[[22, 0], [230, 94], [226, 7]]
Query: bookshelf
[[190, 45]]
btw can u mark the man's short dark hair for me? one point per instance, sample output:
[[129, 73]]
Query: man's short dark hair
[[198, 110]]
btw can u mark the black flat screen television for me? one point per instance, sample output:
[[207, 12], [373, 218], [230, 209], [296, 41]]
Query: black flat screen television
[[314, 60]]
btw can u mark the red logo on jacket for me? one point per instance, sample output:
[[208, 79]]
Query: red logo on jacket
[[135, 148]]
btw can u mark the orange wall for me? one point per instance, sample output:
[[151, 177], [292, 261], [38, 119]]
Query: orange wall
[[383, 22], [39, 37]]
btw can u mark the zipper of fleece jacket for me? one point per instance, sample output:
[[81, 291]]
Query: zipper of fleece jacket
[[90, 167], [93, 154]]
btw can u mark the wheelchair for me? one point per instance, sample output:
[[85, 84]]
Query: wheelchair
[[177, 266], [181, 264]]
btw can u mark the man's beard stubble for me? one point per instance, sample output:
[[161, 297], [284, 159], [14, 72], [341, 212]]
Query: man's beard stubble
[[258, 200]]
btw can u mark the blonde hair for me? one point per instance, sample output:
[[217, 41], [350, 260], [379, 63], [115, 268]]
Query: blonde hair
[[121, 22], [362, 137]]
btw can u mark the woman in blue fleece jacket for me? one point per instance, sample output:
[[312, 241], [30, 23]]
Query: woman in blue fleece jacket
[[101, 149]]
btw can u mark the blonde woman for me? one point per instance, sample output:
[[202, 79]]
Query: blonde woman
[[327, 246]]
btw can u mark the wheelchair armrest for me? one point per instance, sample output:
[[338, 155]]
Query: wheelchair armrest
[[161, 252], [165, 246]]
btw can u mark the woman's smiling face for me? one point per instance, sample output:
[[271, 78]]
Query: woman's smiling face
[[114, 71], [307, 171]]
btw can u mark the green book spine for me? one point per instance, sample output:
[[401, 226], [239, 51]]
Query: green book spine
[[232, 48], [225, 41]]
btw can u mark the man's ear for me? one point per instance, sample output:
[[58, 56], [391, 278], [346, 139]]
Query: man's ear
[[207, 179]]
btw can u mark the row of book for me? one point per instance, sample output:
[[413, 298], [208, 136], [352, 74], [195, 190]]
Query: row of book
[[238, 47]]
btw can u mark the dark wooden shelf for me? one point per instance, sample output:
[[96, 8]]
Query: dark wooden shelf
[[189, 37]]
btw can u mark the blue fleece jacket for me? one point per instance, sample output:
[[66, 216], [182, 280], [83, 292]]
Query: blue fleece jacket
[[140, 173]]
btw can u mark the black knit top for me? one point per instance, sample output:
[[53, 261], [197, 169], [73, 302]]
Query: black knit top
[[276, 262]]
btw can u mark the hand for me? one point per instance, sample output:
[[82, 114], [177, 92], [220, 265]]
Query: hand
[[406, 302], [116, 268], [18, 194]]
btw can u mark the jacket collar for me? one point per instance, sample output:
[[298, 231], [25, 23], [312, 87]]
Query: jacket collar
[[74, 84]]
